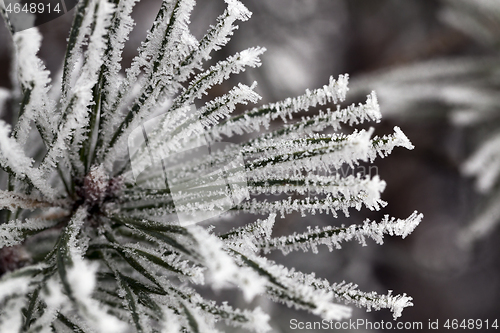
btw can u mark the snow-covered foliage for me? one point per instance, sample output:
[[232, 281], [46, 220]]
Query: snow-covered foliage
[[87, 245], [463, 89]]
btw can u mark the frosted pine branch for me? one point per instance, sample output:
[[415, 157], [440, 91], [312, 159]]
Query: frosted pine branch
[[371, 300], [285, 289], [485, 164], [98, 220], [370, 111], [384, 145], [259, 117], [246, 239], [222, 267], [14, 161], [348, 293], [16, 231], [35, 82], [14, 201], [332, 237]]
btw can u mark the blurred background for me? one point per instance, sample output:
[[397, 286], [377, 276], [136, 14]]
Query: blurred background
[[435, 65]]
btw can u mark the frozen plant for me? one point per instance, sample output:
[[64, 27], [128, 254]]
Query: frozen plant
[[87, 245], [464, 89]]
